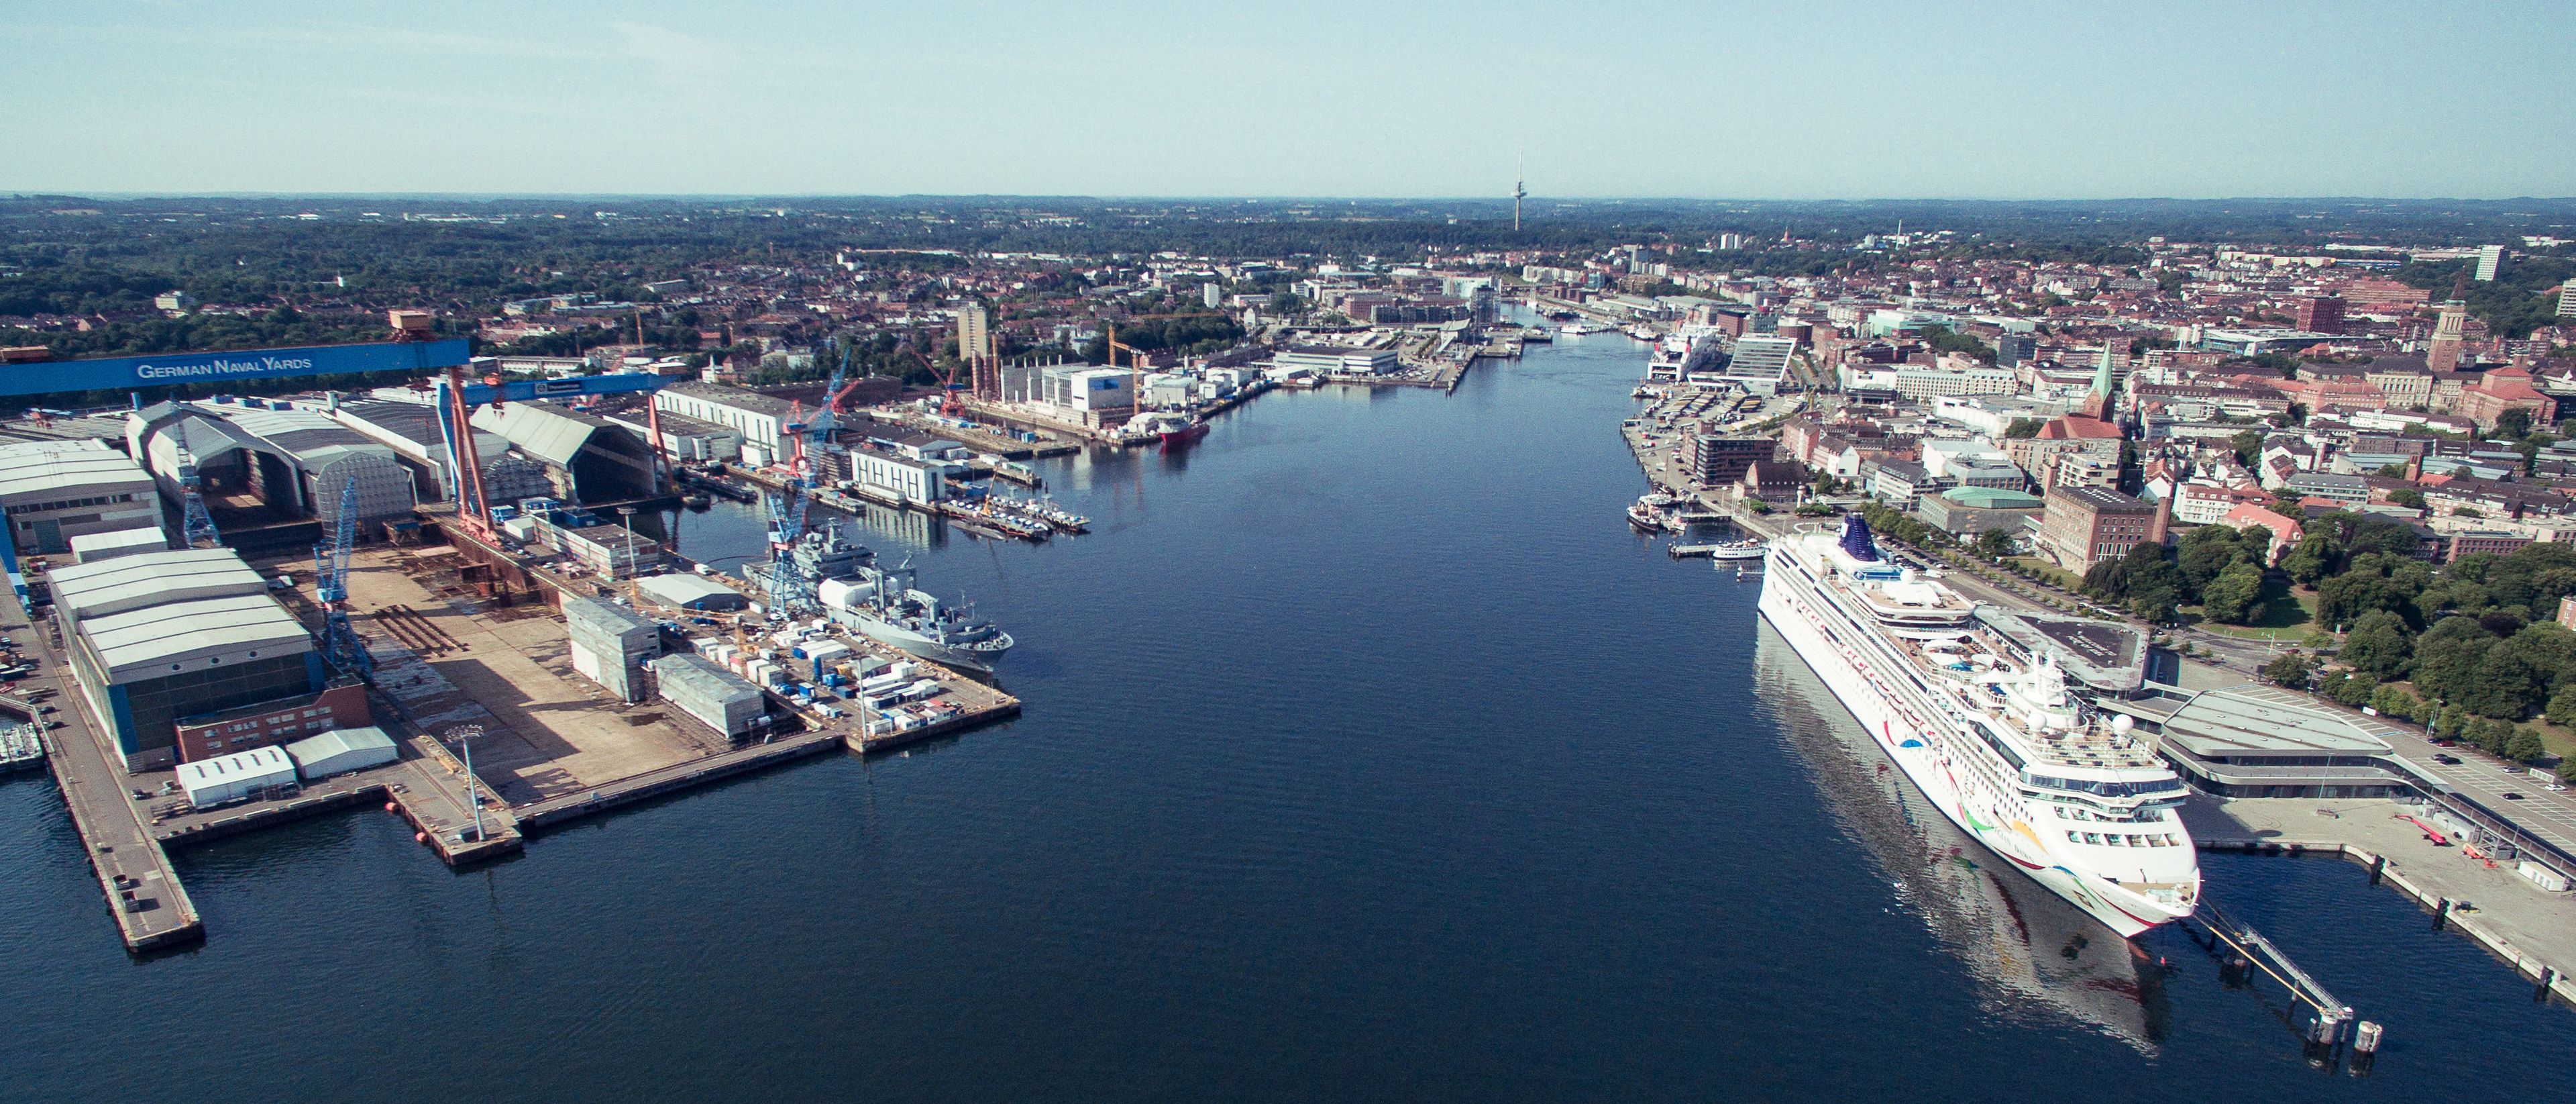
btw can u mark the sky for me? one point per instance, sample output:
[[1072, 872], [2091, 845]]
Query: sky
[[1807, 100]]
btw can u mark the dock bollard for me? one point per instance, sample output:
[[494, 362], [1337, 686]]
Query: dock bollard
[[2365, 1048], [2378, 866], [2548, 977], [2442, 915]]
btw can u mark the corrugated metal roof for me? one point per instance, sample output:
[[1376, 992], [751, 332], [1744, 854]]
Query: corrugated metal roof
[[144, 642], [114, 586], [259, 763], [338, 742], [684, 590], [695, 679], [601, 618], [550, 433], [145, 538], [42, 470]]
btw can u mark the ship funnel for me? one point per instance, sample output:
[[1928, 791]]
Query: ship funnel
[[1856, 539]]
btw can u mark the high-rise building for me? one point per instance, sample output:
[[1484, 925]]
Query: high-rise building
[[2319, 313], [974, 334], [2013, 348], [2490, 257], [2567, 299], [2443, 355], [1211, 295], [1730, 242]]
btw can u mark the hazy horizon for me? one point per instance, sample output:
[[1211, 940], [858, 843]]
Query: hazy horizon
[[1978, 101]]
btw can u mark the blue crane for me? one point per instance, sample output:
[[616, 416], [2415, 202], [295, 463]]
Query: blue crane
[[340, 643]]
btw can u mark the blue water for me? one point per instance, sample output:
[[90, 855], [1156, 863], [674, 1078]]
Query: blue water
[[1367, 755]]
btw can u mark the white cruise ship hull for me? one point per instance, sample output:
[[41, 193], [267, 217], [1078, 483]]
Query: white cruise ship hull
[[1896, 725]]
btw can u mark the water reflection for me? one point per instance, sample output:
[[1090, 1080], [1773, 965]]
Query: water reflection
[[2029, 949]]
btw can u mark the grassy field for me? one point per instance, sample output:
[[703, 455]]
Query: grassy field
[[2281, 620], [2052, 573]]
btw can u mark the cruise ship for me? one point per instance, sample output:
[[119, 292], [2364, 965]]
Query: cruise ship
[[2070, 798]]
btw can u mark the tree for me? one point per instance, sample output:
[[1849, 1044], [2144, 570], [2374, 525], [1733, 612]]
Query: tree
[[2318, 555], [2380, 645], [2524, 747], [2513, 424], [2393, 702], [2448, 654], [2351, 688], [2289, 670], [2156, 606], [2206, 551], [2235, 596], [2562, 706], [2023, 429], [1994, 544], [2248, 445], [2408, 497], [2505, 685]]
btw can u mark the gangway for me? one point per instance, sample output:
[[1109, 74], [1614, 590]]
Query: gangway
[[2248, 951]]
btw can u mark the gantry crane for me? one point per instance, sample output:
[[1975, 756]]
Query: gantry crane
[[340, 643]]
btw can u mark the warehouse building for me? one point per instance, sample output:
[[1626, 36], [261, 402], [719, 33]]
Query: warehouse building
[[297, 462], [611, 645], [93, 547], [588, 459], [340, 751], [54, 491], [916, 480], [760, 419], [160, 636], [711, 694], [691, 592], [228, 778]]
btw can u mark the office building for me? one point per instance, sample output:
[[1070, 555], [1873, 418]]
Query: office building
[[2318, 313], [1717, 461], [1338, 360], [975, 333], [2084, 526], [760, 419], [2490, 258], [2567, 299], [611, 645]]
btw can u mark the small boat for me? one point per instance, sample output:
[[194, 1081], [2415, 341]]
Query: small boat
[[1574, 329], [697, 500], [1644, 518], [1740, 550]]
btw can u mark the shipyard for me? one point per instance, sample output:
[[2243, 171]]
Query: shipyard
[[460, 598]]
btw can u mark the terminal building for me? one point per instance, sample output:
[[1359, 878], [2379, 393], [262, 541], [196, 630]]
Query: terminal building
[[293, 462], [57, 491], [160, 637]]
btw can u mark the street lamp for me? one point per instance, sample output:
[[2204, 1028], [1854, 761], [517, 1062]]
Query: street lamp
[[464, 735]]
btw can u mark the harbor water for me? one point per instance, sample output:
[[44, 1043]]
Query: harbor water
[[1368, 754]]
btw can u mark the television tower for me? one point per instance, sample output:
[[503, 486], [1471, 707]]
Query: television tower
[[1520, 175]]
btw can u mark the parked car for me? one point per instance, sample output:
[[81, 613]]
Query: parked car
[[2510, 795]]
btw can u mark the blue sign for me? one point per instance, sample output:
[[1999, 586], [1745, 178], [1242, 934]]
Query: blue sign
[[164, 369]]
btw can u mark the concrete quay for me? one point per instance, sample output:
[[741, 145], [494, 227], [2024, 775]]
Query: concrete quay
[[143, 893], [2531, 929]]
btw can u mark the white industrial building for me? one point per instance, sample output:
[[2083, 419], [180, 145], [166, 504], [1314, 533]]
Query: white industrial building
[[157, 636], [915, 480], [296, 461], [93, 547], [54, 491], [1097, 396], [760, 419], [212, 782], [1337, 360], [340, 751], [691, 592]]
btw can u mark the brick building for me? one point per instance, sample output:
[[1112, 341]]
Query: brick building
[[2083, 526], [208, 735]]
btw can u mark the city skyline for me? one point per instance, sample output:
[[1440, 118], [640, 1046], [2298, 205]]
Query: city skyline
[[1994, 101]]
